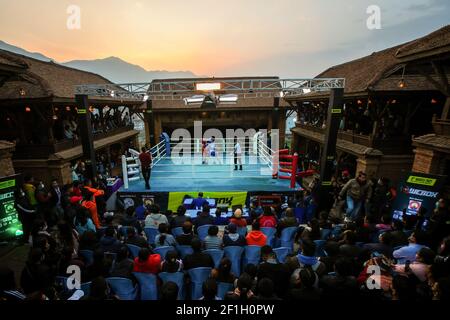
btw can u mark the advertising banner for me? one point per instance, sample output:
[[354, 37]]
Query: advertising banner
[[230, 199], [10, 226], [417, 190]]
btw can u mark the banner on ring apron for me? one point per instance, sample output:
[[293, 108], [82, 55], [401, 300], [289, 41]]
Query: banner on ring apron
[[229, 198]]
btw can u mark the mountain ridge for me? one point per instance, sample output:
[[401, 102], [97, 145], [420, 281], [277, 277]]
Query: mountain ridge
[[113, 68]]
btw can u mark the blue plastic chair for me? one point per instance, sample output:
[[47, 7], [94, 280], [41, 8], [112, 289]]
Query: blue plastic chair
[[62, 281], [270, 233], [88, 256], [123, 288], [162, 251], [300, 214], [202, 231], [223, 288], [319, 248], [252, 255], [242, 231], [325, 234], [281, 253], [184, 251], [134, 250], [198, 276], [310, 210], [151, 233], [85, 287], [148, 285], [234, 253], [287, 238], [216, 255], [176, 277], [336, 231], [177, 231]]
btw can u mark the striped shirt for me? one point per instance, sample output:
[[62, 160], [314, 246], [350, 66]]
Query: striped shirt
[[212, 242]]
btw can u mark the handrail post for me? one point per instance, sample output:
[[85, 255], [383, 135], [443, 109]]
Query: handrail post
[[125, 171]]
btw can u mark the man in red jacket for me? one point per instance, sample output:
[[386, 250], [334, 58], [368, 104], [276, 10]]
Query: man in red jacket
[[256, 237], [146, 161]]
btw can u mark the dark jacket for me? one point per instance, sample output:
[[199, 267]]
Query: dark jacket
[[278, 273], [203, 220], [234, 240], [178, 221], [198, 260], [138, 241], [123, 269], [110, 244], [185, 239]]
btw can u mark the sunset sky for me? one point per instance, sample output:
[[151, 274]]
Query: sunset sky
[[289, 38]]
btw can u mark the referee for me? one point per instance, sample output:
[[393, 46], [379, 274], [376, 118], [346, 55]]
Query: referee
[[146, 161], [237, 156]]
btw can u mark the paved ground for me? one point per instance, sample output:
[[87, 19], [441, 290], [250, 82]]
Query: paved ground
[[186, 174]]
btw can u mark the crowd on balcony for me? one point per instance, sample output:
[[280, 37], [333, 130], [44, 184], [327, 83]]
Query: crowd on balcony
[[356, 118], [65, 127], [288, 251]]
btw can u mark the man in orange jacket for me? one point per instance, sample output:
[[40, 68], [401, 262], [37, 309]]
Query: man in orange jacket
[[89, 203], [256, 237]]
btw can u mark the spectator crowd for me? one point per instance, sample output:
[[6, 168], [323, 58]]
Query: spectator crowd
[[278, 252]]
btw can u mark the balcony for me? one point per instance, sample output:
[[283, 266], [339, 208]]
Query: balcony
[[393, 145], [42, 151]]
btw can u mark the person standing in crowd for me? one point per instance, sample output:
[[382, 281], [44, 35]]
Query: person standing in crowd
[[146, 162], [237, 155], [30, 190], [26, 213], [56, 199], [89, 203], [356, 191]]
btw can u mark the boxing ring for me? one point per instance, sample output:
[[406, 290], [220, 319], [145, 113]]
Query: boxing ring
[[183, 165]]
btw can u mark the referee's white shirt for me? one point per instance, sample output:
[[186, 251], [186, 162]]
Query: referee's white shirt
[[237, 149]]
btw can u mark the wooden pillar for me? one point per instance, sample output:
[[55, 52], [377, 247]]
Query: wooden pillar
[[108, 156], [446, 111], [158, 128], [334, 115], [87, 139], [282, 127]]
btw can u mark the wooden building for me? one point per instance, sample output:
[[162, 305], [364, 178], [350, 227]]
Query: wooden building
[[38, 113], [390, 98], [252, 110]]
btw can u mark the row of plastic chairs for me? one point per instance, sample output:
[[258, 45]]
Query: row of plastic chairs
[[287, 234], [147, 287]]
